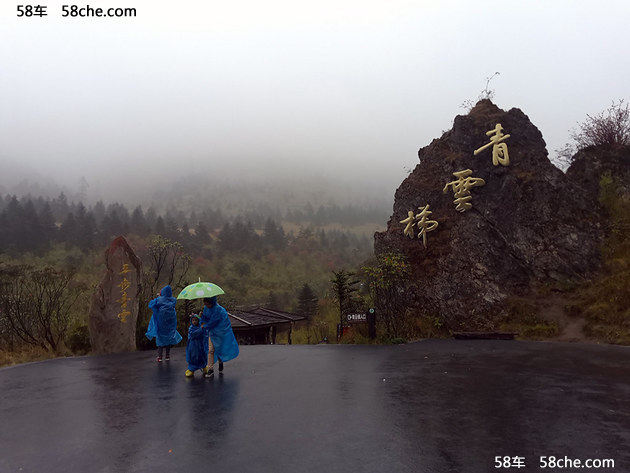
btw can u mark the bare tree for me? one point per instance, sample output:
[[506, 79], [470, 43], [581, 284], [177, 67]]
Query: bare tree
[[16, 306], [486, 94], [166, 262], [35, 304], [609, 129]]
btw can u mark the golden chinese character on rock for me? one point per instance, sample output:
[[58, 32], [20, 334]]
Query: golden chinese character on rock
[[123, 300], [499, 150], [421, 221], [122, 316], [425, 225], [124, 285], [461, 189], [410, 222]]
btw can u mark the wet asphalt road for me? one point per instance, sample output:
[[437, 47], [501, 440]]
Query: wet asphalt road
[[433, 406]]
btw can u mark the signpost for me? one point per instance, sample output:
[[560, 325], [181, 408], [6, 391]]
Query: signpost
[[371, 321], [357, 318], [368, 318]]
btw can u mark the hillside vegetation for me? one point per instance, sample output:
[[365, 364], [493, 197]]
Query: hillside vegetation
[[55, 249]]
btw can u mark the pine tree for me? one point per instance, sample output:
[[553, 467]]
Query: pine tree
[[99, 212], [160, 228], [138, 223], [227, 237], [47, 222], [172, 230], [151, 217], [60, 207], [307, 302], [344, 292], [13, 224], [273, 300], [31, 230], [68, 233], [273, 235], [202, 235], [85, 237]]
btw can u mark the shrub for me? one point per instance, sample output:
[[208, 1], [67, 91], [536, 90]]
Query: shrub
[[79, 340], [609, 129]]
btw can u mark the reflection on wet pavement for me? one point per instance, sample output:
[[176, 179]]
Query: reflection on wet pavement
[[433, 406]]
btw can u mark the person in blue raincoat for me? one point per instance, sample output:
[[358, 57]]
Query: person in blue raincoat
[[163, 323], [222, 345], [197, 347]]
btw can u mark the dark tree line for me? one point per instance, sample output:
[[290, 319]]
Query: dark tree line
[[35, 224]]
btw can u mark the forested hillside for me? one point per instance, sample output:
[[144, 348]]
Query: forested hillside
[[51, 258]]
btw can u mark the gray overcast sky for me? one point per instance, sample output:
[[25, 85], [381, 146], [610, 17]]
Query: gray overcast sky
[[301, 87]]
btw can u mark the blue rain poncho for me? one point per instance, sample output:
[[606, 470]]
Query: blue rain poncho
[[216, 319], [197, 347], [163, 323]]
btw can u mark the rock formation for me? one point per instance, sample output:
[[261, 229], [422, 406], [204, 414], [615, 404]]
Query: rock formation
[[527, 224], [590, 164], [114, 307]]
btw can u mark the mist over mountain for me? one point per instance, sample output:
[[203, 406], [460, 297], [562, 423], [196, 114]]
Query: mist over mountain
[[264, 191]]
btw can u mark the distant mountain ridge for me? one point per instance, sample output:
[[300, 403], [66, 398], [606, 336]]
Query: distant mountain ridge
[[268, 195]]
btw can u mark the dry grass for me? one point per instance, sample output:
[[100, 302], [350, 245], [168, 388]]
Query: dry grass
[[25, 355]]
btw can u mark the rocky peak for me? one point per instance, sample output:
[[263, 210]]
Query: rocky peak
[[516, 220]]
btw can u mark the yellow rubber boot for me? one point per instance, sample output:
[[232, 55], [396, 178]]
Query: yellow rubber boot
[[189, 373]]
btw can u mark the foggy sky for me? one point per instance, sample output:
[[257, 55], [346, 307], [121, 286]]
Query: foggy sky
[[243, 89]]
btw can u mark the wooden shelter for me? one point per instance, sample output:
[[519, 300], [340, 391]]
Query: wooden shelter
[[260, 325]]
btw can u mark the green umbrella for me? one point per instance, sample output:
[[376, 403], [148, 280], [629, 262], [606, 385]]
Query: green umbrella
[[200, 290]]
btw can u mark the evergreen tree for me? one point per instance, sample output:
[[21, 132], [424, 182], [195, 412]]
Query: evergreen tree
[[4, 235], [172, 230], [321, 216], [323, 239], [185, 236], [151, 217], [273, 300], [273, 235], [60, 207], [112, 226], [193, 220], [85, 237], [13, 224], [138, 223], [226, 237], [31, 238], [213, 218], [202, 236], [69, 231], [308, 212], [307, 302], [160, 228], [99, 212], [345, 292], [122, 215], [47, 223]]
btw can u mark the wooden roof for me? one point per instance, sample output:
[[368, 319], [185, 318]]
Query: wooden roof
[[260, 317]]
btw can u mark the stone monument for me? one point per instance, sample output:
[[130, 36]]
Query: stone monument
[[485, 216], [114, 307]]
